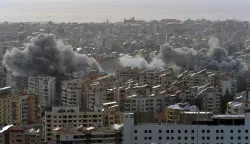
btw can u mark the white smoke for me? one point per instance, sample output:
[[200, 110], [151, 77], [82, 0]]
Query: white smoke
[[213, 43], [140, 62]]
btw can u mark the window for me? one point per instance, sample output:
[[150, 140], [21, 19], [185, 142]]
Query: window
[[208, 138], [135, 131], [239, 138], [186, 131], [159, 138], [145, 138], [192, 131], [208, 131], [203, 138], [167, 131], [221, 131], [145, 131], [179, 131], [135, 138], [159, 131], [149, 138], [179, 138], [149, 131], [167, 138], [232, 131], [217, 137], [186, 138], [172, 131], [222, 138], [203, 131], [246, 137], [192, 138], [172, 138], [246, 131], [231, 138], [239, 131], [217, 131]]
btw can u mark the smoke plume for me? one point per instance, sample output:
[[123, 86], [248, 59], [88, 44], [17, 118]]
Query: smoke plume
[[196, 60], [140, 62], [213, 43], [44, 55]]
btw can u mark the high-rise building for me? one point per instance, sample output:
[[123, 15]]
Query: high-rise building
[[18, 107], [71, 92], [45, 87]]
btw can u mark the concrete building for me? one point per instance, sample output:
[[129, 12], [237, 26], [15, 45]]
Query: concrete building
[[19, 135], [71, 92], [91, 135], [248, 79], [16, 135], [225, 129], [18, 108], [16, 82], [45, 87], [68, 117], [209, 99], [33, 136], [228, 82], [173, 112], [151, 77]]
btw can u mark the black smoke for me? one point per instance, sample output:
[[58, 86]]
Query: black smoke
[[44, 55]]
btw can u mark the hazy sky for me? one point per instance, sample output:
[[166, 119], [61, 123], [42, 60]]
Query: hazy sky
[[116, 10]]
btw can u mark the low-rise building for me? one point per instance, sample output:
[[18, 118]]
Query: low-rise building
[[224, 129]]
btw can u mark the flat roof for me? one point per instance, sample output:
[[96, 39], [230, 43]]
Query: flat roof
[[228, 116], [4, 88], [5, 128], [109, 103]]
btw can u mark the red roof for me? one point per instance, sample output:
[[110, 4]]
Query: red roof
[[17, 128]]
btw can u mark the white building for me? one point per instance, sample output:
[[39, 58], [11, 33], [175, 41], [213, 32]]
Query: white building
[[45, 87], [222, 129], [71, 92], [47, 90]]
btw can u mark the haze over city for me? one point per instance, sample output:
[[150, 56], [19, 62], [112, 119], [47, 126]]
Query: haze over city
[[124, 71], [116, 10]]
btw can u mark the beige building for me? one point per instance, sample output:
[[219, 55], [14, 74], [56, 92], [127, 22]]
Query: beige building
[[91, 135], [18, 108], [19, 135], [68, 117]]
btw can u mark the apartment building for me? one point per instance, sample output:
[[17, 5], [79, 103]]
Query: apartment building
[[209, 99], [33, 136], [151, 77], [91, 135], [221, 129], [228, 83], [68, 117], [19, 108], [45, 87], [16, 135], [19, 135], [101, 92], [173, 112], [247, 75], [240, 105], [71, 92], [128, 73]]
